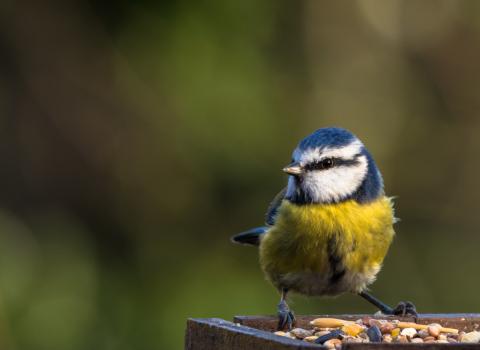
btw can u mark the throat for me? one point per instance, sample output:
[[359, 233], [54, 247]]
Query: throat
[[300, 196], [297, 195]]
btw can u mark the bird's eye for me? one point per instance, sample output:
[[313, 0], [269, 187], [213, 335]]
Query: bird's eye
[[326, 163]]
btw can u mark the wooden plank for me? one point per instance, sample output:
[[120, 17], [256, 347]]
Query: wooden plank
[[218, 334]]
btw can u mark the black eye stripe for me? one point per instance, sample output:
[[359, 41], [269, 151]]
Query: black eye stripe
[[328, 163], [348, 162], [323, 164]]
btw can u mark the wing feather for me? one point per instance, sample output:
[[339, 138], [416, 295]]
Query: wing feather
[[273, 207]]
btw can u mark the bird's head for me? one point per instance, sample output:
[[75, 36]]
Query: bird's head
[[332, 165]]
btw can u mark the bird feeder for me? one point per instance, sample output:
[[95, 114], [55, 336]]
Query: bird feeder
[[257, 332]]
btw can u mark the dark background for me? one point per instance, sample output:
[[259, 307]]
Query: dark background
[[138, 136]]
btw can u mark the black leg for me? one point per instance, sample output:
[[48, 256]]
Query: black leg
[[285, 315], [404, 308]]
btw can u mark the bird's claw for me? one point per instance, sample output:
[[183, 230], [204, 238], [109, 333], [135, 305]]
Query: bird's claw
[[405, 308], [286, 318]]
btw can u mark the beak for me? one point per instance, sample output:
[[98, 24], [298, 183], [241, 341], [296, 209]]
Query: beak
[[293, 169]]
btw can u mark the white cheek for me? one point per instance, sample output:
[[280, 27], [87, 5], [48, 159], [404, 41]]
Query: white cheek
[[336, 183]]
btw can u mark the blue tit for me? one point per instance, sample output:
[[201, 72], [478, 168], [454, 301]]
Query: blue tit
[[328, 231]]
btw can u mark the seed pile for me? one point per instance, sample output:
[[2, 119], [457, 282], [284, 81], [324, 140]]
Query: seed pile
[[333, 332]]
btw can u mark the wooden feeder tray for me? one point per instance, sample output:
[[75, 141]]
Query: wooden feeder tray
[[255, 332]]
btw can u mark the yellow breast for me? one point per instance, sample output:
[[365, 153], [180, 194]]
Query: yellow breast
[[328, 239]]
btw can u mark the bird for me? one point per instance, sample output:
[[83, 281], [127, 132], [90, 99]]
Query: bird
[[328, 231]]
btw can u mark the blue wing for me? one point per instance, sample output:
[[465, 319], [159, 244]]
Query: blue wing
[[273, 207], [250, 237]]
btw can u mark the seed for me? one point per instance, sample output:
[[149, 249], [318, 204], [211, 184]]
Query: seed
[[443, 341], [310, 338], [436, 325], [409, 332], [319, 334], [329, 322], [366, 320], [448, 330], [416, 340], [395, 332], [363, 336], [376, 322], [411, 325], [442, 337], [374, 334], [423, 333], [451, 340], [471, 337], [387, 328], [443, 329], [387, 338], [352, 340], [280, 333], [332, 335], [300, 333], [429, 338], [332, 343], [352, 329], [423, 326], [434, 330], [402, 339]]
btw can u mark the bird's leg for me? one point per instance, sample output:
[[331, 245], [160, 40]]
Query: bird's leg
[[404, 308], [285, 315]]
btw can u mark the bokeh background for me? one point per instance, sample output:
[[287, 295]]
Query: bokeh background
[[137, 136]]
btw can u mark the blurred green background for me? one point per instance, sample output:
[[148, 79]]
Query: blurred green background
[[138, 136]]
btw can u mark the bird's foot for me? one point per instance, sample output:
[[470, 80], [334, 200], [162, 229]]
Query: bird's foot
[[286, 318], [404, 308]]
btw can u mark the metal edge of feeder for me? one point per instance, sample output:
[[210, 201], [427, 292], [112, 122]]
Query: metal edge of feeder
[[464, 321], [219, 334]]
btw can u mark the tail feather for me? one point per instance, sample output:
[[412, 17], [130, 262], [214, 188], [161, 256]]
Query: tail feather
[[250, 237]]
